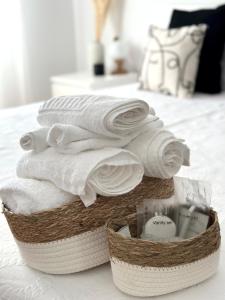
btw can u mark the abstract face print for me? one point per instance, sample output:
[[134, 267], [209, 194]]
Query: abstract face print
[[171, 60]]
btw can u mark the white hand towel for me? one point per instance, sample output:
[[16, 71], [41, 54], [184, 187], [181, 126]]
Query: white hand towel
[[63, 134], [160, 152], [108, 172], [93, 144], [104, 115], [35, 140], [69, 139], [27, 196]]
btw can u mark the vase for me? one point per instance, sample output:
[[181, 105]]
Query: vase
[[97, 58]]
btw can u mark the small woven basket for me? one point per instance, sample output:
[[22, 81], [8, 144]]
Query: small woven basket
[[72, 238], [146, 268]]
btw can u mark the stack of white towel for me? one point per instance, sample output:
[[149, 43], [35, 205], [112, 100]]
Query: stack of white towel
[[91, 145]]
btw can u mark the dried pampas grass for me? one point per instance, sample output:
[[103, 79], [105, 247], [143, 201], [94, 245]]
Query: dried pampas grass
[[101, 10]]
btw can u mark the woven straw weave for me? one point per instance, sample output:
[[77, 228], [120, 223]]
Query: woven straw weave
[[73, 219], [146, 268], [155, 254]]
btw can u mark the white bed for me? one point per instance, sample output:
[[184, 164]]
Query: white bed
[[201, 121]]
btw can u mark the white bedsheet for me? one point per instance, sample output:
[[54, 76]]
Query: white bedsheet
[[201, 121]]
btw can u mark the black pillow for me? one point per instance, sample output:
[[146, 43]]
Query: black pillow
[[209, 71]]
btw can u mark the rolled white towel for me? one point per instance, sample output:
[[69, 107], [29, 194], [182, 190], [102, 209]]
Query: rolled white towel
[[108, 172], [69, 139], [63, 134], [93, 144], [35, 140], [105, 115], [160, 152], [27, 196]]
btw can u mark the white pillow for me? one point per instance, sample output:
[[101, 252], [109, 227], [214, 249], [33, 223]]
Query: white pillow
[[171, 60]]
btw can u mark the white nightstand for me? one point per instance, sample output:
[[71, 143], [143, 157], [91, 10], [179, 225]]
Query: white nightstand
[[80, 83]]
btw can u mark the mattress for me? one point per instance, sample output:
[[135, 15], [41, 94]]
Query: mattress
[[200, 121]]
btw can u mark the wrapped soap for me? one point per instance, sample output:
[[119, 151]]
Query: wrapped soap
[[159, 228], [183, 216], [156, 224], [193, 216]]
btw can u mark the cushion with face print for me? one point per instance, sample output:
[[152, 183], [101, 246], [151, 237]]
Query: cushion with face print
[[171, 60], [211, 72]]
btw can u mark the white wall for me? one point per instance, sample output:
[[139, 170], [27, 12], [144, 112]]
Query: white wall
[[84, 30], [130, 18], [49, 40], [138, 15], [84, 16]]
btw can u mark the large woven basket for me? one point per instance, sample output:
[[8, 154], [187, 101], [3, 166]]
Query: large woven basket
[[72, 238], [145, 268]]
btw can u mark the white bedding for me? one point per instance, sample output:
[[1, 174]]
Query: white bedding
[[201, 121]]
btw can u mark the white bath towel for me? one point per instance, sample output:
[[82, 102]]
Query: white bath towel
[[160, 152], [26, 196], [108, 172], [105, 115], [35, 140], [69, 139]]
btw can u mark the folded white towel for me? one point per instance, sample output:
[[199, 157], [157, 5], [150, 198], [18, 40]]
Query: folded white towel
[[108, 172], [69, 139], [27, 196], [104, 115], [160, 152], [35, 140]]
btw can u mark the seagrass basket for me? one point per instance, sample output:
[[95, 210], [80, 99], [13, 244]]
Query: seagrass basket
[[146, 268], [73, 238]]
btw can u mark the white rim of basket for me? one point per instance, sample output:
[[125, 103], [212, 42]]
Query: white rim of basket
[[152, 281], [69, 255]]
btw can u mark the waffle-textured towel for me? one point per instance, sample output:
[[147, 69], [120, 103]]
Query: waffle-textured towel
[[69, 139], [35, 140], [160, 152], [26, 196], [105, 115], [108, 172]]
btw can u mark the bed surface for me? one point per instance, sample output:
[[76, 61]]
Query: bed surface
[[200, 121]]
